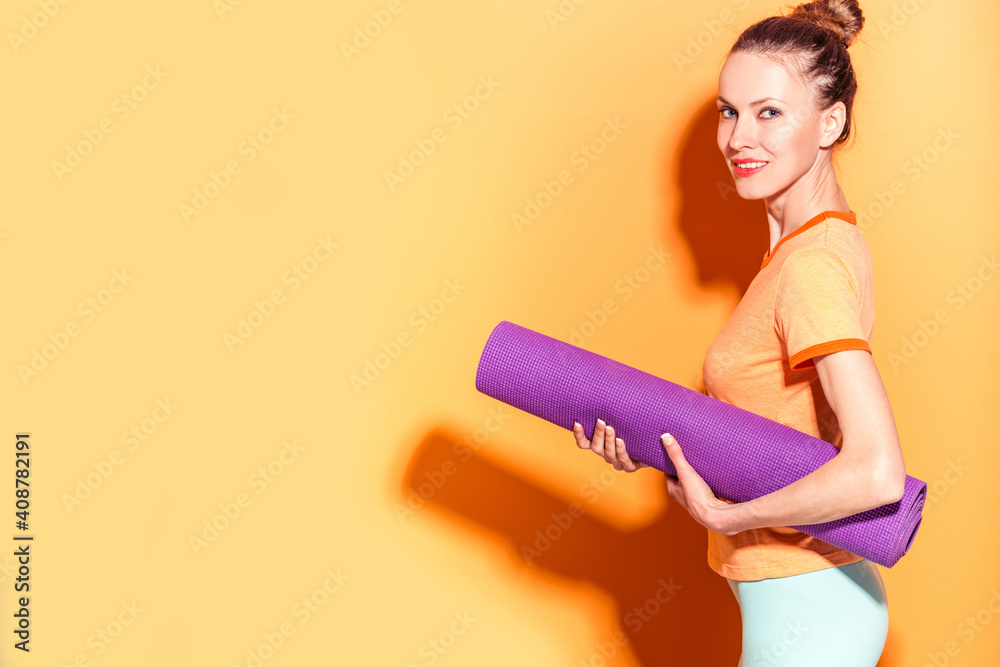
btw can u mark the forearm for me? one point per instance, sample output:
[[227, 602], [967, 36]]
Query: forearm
[[841, 487]]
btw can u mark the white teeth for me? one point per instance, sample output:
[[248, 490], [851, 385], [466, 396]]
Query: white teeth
[[751, 165]]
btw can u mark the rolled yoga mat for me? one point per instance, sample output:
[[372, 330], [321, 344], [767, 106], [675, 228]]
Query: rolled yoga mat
[[741, 455]]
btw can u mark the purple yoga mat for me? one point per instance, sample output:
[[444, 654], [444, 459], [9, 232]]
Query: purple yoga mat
[[741, 455]]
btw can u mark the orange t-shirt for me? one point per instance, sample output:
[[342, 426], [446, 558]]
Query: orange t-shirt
[[813, 295]]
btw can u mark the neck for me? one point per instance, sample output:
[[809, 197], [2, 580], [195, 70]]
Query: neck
[[814, 192]]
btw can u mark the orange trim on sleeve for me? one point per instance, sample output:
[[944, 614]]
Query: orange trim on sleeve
[[803, 359]]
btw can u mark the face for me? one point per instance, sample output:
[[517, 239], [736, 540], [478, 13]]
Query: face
[[769, 131]]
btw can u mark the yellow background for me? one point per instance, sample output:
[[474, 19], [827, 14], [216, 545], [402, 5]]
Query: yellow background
[[399, 582]]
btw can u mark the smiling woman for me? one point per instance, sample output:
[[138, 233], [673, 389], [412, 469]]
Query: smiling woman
[[796, 350]]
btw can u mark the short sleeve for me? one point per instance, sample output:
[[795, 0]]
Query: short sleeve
[[817, 308]]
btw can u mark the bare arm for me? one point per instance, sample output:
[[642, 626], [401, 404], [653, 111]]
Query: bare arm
[[868, 471]]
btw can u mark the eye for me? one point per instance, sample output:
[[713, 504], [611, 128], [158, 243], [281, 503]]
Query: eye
[[765, 110], [723, 111]]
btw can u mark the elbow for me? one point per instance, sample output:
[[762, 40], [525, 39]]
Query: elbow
[[895, 493], [890, 486]]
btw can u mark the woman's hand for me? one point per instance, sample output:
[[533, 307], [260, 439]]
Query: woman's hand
[[691, 491], [607, 446]]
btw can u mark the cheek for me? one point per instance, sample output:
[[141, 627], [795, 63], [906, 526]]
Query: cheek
[[777, 140], [790, 143]]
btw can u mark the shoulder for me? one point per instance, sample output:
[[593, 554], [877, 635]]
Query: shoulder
[[846, 239], [834, 243]]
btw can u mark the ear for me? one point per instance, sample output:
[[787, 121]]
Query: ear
[[832, 124]]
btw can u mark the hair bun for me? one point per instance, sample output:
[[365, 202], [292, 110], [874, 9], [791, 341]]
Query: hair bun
[[840, 17]]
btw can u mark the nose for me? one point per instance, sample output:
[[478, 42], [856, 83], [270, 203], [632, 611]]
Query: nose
[[743, 134]]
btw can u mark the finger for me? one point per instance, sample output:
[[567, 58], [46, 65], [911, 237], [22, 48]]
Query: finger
[[628, 465], [581, 438], [674, 489], [610, 453], [597, 442], [688, 477], [674, 452]]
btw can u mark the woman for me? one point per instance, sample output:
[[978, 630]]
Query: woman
[[786, 92]]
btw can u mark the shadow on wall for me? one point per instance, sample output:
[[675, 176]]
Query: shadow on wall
[[727, 235], [672, 608], [670, 605]]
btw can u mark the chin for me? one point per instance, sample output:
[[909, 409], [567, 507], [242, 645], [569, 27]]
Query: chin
[[751, 191], [755, 188]]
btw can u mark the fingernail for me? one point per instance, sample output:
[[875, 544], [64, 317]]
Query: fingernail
[[601, 422], [665, 436], [576, 425]]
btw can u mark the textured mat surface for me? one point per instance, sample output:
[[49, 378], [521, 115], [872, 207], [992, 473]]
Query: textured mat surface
[[741, 455]]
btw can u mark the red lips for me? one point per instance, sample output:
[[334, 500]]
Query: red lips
[[741, 171]]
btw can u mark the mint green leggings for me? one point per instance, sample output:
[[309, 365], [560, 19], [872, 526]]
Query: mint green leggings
[[832, 617]]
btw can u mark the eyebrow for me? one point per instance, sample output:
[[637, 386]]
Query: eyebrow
[[753, 104]]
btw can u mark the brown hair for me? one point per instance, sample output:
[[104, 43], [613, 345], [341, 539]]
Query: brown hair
[[814, 37]]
